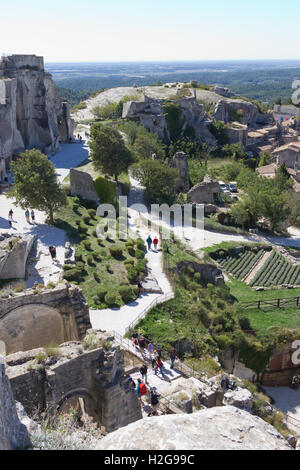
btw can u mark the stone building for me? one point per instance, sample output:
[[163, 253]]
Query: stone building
[[32, 114], [207, 192]]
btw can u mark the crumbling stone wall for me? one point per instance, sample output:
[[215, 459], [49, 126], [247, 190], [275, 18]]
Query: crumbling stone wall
[[96, 376], [37, 318], [13, 260], [206, 192]]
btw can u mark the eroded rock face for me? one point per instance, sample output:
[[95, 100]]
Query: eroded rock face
[[221, 428], [13, 434], [234, 110], [14, 252], [32, 114], [179, 161]]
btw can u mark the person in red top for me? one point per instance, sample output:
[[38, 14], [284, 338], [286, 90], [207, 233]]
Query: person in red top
[[155, 243]]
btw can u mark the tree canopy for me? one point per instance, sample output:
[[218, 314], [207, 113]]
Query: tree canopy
[[36, 185], [108, 150], [157, 178]]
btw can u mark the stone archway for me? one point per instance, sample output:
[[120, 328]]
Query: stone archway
[[31, 326], [86, 404]]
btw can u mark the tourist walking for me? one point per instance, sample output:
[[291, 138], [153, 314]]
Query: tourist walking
[[150, 349], [52, 251], [134, 338], [172, 357], [159, 365], [144, 371], [27, 214], [149, 242], [155, 243], [10, 218], [154, 402], [141, 390], [33, 216], [142, 345]]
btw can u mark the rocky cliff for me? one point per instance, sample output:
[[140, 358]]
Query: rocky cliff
[[13, 434], [32, 113], [221, 428]]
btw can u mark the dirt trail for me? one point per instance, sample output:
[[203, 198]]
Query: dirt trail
[[257, 267]]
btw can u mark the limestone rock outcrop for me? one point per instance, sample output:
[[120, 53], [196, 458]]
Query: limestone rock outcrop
[[233, 110], [150, 112], [179, 161], [13, 434], [221, 428], [82, 184], [14, 251], [32, 114]]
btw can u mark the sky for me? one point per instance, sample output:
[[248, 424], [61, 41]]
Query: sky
[[153, 30]]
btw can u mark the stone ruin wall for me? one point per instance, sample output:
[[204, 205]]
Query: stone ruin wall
[[32, 114], [36, 318], [96, 376]]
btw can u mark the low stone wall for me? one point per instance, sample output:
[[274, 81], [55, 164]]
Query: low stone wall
[[36, 318], [96, 376]]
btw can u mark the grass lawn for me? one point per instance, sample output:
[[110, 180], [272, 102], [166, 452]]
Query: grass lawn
[[102, 271], [244, 293], [263, 320]]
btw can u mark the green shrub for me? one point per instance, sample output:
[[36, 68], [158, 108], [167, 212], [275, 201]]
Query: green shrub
[[83, 229], [87, 244], [90, 260], [132, 274], [78, 257], [74, 274], [110, 300], [128, 262], [92, 213], [67, 267], [96, 256], [131, 250], [140, 244], [86, 219], [197, 277], [139, 254], [127, 294], [96, 277], [101, 293], [116, 251], [105, 189]]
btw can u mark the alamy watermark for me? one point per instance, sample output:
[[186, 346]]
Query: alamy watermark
[[185, 221]]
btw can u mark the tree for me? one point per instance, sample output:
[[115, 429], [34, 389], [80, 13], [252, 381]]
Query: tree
[[146, 144], [265, 159], [174, 120], [36, 183], [219, 131], [108, 150], [157, 178]]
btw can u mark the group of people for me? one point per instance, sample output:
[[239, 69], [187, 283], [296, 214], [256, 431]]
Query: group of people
[[154, 355], [150, 241], [27, 217]]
